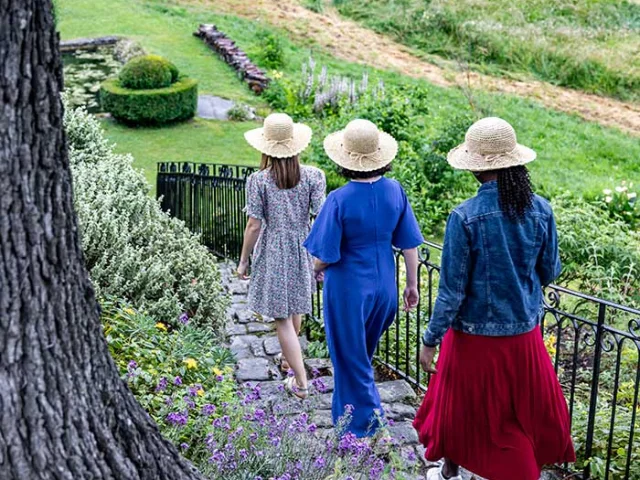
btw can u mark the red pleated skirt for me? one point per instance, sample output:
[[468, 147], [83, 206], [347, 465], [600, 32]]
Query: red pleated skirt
[[495, 407]]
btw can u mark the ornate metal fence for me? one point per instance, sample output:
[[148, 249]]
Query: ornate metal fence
[[209, 198], [594, 344]]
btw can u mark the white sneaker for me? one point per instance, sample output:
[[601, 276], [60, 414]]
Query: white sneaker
[[436, 474]]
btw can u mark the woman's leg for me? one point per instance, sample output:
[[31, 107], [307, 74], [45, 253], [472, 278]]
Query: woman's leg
[[290, 345], [297, 325]]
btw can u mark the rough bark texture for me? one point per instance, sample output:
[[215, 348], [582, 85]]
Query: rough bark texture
[[64, 412]]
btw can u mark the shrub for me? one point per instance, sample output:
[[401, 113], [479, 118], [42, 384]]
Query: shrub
[[147, 107], [600, 256], [133, 249], [239, 113], [148, 72], [270, 53], [622, 204]]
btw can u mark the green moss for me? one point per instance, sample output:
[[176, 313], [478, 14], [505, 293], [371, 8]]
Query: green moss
[[148, 107]]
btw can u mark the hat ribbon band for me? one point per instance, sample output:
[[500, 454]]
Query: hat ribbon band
[[497, 156], [362, 158], [284, 143]]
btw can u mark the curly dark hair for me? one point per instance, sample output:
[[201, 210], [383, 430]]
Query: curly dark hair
[[355, 175], [515, 192]]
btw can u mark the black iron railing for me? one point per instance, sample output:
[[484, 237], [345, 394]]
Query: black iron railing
[[594, 344], [209, 198]]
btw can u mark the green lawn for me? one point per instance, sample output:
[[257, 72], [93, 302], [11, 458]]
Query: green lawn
[[195, 141]]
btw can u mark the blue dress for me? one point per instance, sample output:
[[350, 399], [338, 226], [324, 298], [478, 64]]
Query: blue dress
[[354, 233]]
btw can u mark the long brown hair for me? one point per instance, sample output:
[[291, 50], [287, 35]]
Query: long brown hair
[[284, 171]]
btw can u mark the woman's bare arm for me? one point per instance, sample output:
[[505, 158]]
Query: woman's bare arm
[[251, 234]]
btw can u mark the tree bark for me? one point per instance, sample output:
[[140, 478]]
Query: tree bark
[[64, 411]]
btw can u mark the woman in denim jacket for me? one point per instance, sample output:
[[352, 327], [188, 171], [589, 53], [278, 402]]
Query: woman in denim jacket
[[494, 404]]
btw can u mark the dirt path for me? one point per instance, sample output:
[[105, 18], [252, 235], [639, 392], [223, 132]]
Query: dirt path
[[349, 41]]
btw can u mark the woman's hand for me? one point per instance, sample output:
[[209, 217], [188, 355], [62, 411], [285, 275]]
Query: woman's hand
[[243, 266], [411, 298], [426, 359], [319, 275]]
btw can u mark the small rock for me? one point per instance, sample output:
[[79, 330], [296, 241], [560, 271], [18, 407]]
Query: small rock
[[257, 348], [241, 346], [239, 299], [322, 365], [236, 329], [396, 391], [399, 411], [404, 433], [239, 287], [243, 316], [322, 401], [254, 369], [322, 419], [257, 327]]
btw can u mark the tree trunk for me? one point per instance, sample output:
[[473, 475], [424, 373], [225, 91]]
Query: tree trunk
[[64, 411]]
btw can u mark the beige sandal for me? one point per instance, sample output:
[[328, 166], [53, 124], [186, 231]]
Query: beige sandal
[[292, 388], [280, 362]]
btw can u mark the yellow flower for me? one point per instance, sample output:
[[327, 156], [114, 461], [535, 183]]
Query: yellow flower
[[130, 311], [276, 75], [200, 392], [190, 363], [550, 343], [217, 371], [161, 326]]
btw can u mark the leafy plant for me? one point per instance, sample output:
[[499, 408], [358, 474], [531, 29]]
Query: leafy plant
[[239, 113], [133, 249], [622, 204], [270, 54]]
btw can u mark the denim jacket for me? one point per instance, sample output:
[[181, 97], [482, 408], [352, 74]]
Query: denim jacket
[[493, 269]]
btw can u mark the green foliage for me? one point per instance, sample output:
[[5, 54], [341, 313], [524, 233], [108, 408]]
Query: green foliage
[[270, 53], [622, 204], [150, 107], [600, 256], [575, 43], [619, 446], [315, 5], [148, 72], [239, 113], [133, 249]]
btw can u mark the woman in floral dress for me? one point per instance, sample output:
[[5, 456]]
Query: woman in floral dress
[[280, 199]]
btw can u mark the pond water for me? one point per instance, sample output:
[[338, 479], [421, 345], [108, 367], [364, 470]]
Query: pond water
[[84, 71]]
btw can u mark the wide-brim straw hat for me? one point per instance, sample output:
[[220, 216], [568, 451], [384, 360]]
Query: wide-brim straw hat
[[490, 144], [361, 147], [280, 137]]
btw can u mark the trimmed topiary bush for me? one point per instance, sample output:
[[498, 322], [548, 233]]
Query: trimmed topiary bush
[[147, 107], [148, 72]]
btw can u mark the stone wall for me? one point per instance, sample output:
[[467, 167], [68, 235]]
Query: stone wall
[[234, 56]]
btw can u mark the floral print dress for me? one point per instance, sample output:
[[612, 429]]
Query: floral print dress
[[282, 270]]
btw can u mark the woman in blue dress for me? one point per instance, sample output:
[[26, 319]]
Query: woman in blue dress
[[352, 241]]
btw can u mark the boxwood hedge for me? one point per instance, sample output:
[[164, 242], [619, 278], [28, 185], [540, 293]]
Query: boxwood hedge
[[147, 107]]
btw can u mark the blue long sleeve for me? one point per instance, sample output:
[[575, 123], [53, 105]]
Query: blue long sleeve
[[454, 276]]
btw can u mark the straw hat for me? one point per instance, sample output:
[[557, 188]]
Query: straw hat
[[279, 137], [490, 144], [361, 147]]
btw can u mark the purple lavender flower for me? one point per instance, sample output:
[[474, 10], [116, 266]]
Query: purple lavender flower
[[190, 403], [377, 469], [217, 457], [348, 408], [312, 428], [315, 373], [133, 365], [177, 381], [184, 446], [319, 385], [243, 453], [162, 384], [208, 410], [319, 463], [168, 401], [184, 318], [193, 390], [219, 378], [178, 418]]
